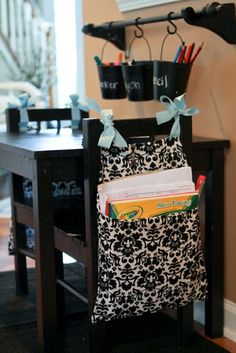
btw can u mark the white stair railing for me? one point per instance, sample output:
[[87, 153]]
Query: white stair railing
[[26, 43]]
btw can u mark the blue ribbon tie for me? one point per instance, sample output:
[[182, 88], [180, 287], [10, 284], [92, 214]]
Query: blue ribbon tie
[[76, 108], [174, 109], [24, 103], [109, 134]]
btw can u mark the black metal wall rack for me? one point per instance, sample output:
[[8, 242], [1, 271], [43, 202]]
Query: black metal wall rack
[[216, 17]]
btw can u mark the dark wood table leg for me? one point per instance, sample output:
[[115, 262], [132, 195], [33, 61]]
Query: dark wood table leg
[[44, 256], [21, 275], [214, 245]]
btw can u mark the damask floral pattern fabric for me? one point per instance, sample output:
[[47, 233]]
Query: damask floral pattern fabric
[[141, 157], [150, 264]]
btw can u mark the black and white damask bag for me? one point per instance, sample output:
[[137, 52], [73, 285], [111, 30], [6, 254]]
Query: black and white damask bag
[[152, 264]]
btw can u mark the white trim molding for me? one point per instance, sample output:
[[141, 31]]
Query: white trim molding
[[129, 5], [229, 317], [230, 320]]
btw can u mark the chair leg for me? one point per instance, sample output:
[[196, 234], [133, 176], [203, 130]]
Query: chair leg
[[185, 320], [60, 290], [21, 274], [98, 342]]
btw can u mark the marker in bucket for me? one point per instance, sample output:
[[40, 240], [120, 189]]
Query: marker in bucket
[[97, 59], [107, 63], [119, 59]]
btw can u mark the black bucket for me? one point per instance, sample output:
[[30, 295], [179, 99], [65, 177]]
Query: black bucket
[[138, 78], [138, 75], [111, 82], [111, 78], [170, 79]]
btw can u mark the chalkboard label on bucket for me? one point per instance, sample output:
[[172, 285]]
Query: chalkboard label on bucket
[[161, 81], [109, 85], [170, 79], [138, 78], [133, 85], [111, 82]]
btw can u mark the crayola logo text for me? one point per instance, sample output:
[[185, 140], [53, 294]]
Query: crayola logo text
[[130, 213]]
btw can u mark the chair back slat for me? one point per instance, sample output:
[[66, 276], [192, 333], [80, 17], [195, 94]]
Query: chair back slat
[[40, 115]]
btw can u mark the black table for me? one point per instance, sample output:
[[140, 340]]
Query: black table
[[49, 157], [42, 158]]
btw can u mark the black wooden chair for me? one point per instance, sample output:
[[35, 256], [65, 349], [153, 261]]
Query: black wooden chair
[[131, 130], [38, 116]]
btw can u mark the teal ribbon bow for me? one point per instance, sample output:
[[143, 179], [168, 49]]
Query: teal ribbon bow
[[24, 103], [76, 108], [110, 134], [173, 110]]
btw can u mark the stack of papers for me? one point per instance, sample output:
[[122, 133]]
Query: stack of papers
[[144, 190]]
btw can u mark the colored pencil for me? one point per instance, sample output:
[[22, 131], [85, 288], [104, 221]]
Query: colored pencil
[[189, 53], [177, 54], [182, 54], [197, 53]]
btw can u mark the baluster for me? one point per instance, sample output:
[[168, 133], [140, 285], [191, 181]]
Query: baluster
[[50, 63], [43, 47], [4, 17], [35, 44], [19, 31], [12, 24], [27, 35], [23, 21]]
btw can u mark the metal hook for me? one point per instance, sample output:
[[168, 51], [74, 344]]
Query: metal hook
[[140, 35], [172, 23]]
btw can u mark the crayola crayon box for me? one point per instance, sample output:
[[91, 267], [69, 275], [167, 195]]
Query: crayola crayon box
[[151, 207]]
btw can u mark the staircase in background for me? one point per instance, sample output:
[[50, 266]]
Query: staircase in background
[[27, 64], [26, 45]]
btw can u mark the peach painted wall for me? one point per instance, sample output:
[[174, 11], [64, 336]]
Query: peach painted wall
[[211, 88]]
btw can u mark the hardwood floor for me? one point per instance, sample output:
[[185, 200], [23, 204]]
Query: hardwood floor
[[7, 264], [223, 342], [226, 344]]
